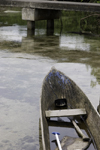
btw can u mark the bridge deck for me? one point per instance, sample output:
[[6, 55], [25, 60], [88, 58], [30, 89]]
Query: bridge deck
[[53, 5]]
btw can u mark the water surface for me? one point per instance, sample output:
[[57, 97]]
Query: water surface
[[24, 62]]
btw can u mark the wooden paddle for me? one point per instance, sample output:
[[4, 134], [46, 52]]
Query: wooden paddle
[[57, 138], [84, 137]]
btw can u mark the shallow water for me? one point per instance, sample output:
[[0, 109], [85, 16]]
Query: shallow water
[[24, 62]]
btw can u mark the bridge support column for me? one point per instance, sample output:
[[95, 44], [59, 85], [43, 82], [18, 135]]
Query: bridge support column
[[30, 25], [32, 15], [50, 27], [30, 28]]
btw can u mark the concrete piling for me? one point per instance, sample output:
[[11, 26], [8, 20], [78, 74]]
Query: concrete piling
[[32, 15]]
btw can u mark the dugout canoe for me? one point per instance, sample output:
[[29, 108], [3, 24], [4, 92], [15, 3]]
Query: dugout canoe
[[57, 86]]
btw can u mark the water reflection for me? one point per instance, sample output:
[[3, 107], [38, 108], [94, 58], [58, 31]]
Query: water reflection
[[64, 48], [20, 85], [12, 33], [24, 62], [74, 42], [16, 125]]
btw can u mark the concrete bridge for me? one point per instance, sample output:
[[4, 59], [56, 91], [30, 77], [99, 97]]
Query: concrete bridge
[[47, 10]]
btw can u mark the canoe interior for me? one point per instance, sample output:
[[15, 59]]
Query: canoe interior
[[57, 86]]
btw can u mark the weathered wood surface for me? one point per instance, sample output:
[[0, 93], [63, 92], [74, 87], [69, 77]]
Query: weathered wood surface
[[53, 5], [66, 124], [65, 112], [68, 113], [56, 86], [71, 143], [84, 137]]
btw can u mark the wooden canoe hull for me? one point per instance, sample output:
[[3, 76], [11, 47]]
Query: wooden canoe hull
[[57, 85]]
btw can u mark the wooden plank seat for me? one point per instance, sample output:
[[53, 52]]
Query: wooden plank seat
[[65, 112]]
